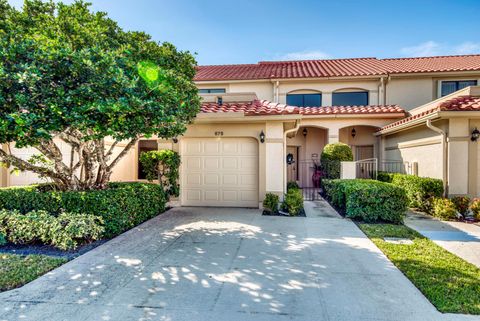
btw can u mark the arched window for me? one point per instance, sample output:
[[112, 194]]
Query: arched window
[[350, 97], [304, 98]]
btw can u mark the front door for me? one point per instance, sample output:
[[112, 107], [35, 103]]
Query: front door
[[292, 167]]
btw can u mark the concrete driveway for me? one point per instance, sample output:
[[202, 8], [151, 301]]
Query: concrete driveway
[[201, 264]]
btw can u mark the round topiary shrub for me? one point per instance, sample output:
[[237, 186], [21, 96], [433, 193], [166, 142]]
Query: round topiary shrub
[[332, 155]]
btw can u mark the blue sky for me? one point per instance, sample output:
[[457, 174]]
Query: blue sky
[[227, 32]]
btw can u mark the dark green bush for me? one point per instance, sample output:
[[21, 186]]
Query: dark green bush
[[332, 156], [121, 206], [292, 184], [270, 203], [419, 189], [162, 165], [444, 209], [3, 239], [65, 231], [367, 200], [293, 201]]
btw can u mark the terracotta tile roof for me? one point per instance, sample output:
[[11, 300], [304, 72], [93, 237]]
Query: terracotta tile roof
[[337, 68], [432, 64], [263, 107], [460, 103]]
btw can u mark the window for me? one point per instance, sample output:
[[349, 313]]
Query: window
[[449, 87], [304, 100], [359, 98], [211, 91], [145, 146]]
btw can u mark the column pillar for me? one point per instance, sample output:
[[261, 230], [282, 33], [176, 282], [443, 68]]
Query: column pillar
[[458, 150], [274, 158]]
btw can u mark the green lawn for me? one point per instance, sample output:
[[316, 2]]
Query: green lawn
[[450, 283], [16, 270]]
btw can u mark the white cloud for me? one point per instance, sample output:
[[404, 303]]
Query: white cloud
[[429, 48], [432, 48], [305, 55], [467, 48]]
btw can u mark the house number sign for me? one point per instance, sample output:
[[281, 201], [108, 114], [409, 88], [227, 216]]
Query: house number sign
[[218, 133]]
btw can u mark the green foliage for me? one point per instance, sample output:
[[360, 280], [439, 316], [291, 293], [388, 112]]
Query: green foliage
[[163, 165], [3, 239], [332, 156], [293, 201], [65, 231], [292, 184], [444, 209], [121, 206], [419, 189], [270, 202], [17, 270], [475, 207], [68, 71], [450, 283], [368, 200], [461, 203]]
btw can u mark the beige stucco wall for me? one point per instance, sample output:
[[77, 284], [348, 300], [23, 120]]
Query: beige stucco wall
[[419, 145], [410, 92]]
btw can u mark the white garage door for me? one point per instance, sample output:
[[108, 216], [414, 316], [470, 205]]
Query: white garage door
[[219, 172]]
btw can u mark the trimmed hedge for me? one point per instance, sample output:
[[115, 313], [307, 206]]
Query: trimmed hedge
[[419, 189], [122, 206], [331, 158], [368, 200]]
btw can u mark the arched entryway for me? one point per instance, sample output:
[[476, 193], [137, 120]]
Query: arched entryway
[[303, 152]]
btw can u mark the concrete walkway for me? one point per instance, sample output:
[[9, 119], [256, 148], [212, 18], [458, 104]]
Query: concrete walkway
[[459, 238], [200, 264]]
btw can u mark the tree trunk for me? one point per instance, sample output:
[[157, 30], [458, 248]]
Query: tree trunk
[[91, 170]]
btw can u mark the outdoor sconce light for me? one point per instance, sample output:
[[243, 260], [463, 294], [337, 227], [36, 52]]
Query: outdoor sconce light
[[175, 140], [305, 132], [475, 135], [262, 137], [354, 132]]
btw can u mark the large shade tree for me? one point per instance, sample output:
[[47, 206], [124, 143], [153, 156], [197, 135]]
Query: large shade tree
[[71, 75]]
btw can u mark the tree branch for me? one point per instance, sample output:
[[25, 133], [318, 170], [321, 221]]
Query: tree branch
[[122, 153]]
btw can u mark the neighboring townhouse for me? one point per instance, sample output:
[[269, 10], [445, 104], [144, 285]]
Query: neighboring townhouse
[[253, 116]]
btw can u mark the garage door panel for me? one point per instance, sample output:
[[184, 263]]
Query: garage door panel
[[193, 163], [212, 179], [230, 179], [220, 172], [211, 163], [211, 147]]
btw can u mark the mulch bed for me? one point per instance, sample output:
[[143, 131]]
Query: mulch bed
[[41, 249], [268, 213]]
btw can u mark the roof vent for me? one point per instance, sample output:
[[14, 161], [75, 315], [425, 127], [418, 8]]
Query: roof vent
[[220, 101]]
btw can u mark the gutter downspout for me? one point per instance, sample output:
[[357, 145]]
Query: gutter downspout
[[297, 126], [445, 154]]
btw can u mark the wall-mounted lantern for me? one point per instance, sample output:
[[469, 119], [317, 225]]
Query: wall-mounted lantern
[[305, 132], [475, 135], [262, 137], [354, 132], [175, 140]]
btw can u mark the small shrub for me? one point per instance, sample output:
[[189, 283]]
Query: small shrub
[[293, 202], [368, 200], [270, 202], [461, 204], [76, 229], [419, 189], [475, 207], [444, 209], [162, 165], [3, 239], [332, 156], [65, 231], [292, 184]]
